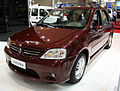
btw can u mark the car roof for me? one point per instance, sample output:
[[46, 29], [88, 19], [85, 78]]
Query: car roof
[[42, 7]]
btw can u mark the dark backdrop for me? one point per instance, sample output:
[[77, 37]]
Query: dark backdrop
[[13, 17]]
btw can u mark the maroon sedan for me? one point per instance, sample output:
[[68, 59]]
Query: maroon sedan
[[60, 46]]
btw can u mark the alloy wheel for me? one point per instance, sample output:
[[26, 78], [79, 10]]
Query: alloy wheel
[[80, 67]]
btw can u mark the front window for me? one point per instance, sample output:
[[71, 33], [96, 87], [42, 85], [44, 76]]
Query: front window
[[104, 17], [77, 18], [97, 18], [43, 12]]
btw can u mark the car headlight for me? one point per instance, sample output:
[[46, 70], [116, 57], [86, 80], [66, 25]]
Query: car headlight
[[8, 42], [59, 53]]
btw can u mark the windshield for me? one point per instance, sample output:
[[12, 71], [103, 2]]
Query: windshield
[[70, 18]]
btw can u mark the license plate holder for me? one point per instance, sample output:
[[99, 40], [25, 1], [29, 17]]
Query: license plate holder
[[18, 63]]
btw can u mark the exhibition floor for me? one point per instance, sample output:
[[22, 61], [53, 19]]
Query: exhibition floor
[[102, 74]]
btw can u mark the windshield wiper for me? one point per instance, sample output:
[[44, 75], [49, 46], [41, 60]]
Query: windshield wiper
[[45, 24], [48, 24], [69, 27]]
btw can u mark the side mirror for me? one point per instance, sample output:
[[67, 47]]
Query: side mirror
[[93, 24], [97, 27]]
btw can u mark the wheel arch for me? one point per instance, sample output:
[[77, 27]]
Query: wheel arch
[[86, 52]]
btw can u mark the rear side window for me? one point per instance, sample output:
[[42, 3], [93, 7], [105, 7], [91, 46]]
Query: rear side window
[[104, 17], [34, 12]]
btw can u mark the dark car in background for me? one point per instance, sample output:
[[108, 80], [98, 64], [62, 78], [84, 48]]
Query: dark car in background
[[60, 46]]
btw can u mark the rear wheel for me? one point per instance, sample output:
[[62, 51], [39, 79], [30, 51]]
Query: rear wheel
[[78, 69]]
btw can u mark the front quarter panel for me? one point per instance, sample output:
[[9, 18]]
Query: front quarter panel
[[76, 46]]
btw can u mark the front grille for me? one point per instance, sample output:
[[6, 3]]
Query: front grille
[[27, 72], [26, 51], [31, 52]]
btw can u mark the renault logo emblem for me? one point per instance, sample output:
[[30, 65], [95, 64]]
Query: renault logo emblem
[[20, 50]]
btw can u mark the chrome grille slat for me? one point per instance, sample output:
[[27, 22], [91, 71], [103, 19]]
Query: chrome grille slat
[[15, 48], [30, 53]]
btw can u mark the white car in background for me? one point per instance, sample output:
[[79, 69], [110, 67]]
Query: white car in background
[[110, 12], [37, 12]]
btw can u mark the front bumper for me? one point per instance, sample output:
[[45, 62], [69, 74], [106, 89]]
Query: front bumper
[[41, 69]]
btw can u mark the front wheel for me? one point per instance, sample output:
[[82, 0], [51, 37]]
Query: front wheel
[[78, 69]]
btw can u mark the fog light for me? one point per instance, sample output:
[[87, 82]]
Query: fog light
[[53, 75]]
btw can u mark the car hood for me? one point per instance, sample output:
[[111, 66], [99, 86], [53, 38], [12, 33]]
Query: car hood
[[44, 36]]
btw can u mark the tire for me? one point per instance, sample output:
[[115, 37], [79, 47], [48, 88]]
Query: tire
[[78, 69], [109, 42]]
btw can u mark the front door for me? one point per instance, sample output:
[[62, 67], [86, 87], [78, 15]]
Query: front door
[[107, 25], [96, 33]]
